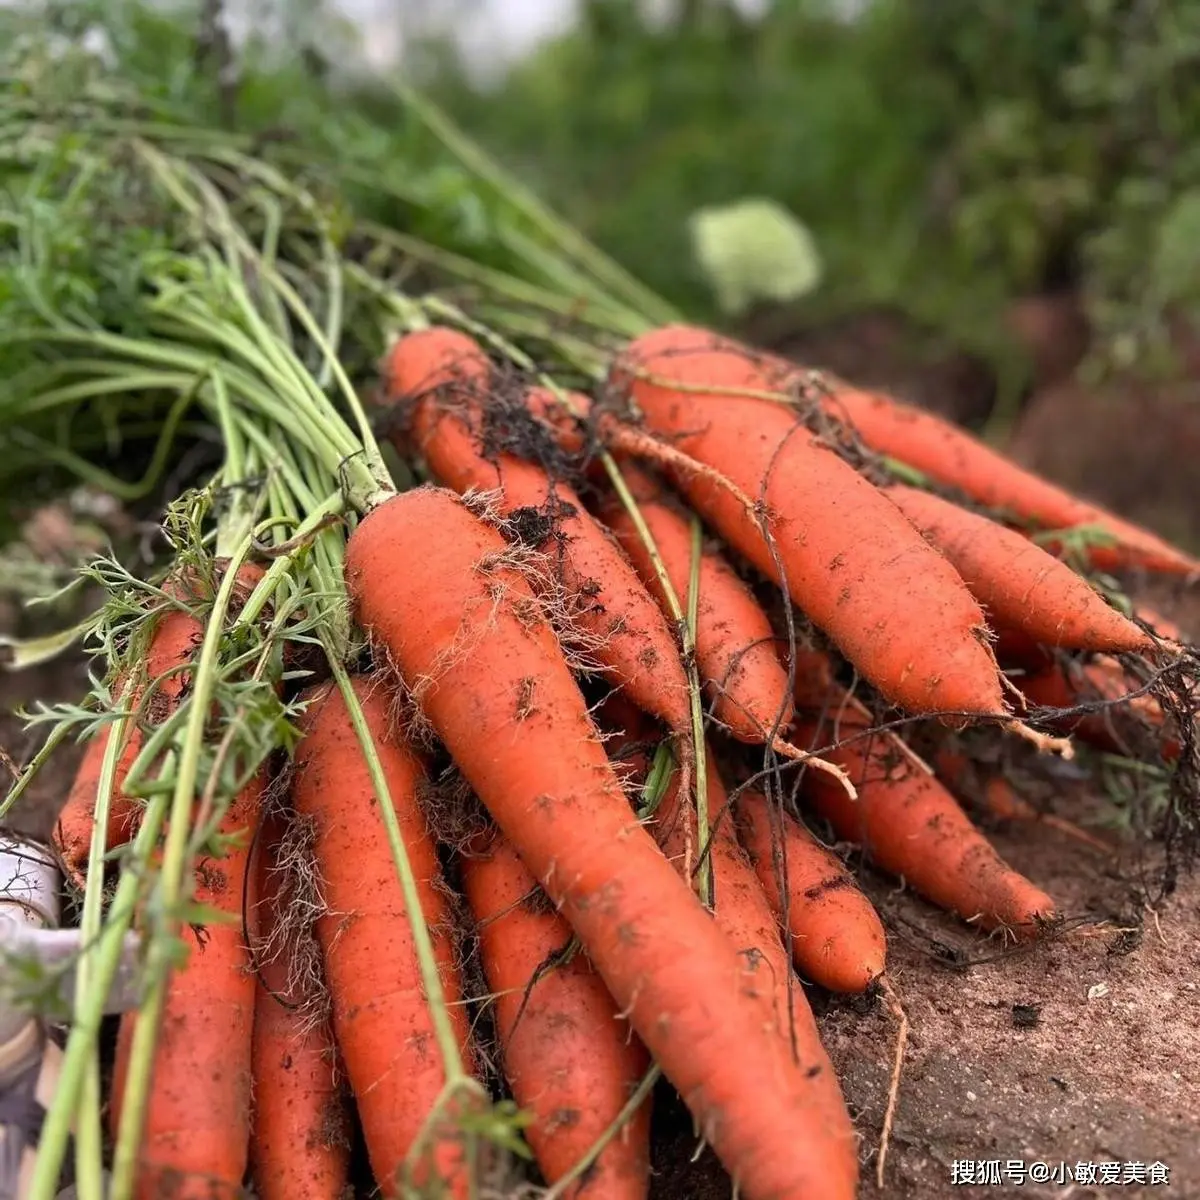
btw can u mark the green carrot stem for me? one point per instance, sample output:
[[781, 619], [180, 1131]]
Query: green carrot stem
[[141, 1055]]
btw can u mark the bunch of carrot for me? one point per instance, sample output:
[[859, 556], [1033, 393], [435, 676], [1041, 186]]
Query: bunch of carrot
[[618, 920]]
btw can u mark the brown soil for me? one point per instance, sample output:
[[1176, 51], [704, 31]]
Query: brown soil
[[1134, 450], [1110, 1076], [880, 349], [37, 810]]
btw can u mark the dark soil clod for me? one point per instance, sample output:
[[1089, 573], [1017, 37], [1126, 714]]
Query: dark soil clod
[[1026, 1016]]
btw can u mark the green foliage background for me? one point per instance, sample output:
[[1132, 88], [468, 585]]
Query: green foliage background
[[947, 156]]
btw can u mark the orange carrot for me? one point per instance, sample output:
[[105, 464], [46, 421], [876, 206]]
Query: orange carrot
[[174, 639], [569, 429], [300, 1140], [952, 457], [740, 909], [382, 1022], [472, 641], [445, 376], [735, 645], [836, 937], [586, 427], [1067, 684], [1015, 647], [196, 1142], [851, 559], [1017, 582], [1164, 627], [908, 823], [570, 1059], [72, 836], [1001, 800]]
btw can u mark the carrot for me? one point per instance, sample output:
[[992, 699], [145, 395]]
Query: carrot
[[1015, 648], [175, 636], [300, 1145], [1002, 801], [1067, 684], [445, 376], [735, 645], [1017, 582], [570, 1059], [851, 559], [382, 1022], [836, 937], [911, 826], [473, 643], [580, 428], [197, 1136], [740, 909], [1164, 627], [952, 457], [569, 428], [72, 835]]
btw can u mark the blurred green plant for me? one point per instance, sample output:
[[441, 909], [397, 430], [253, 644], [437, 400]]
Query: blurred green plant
[[948, 158], [81, 234]]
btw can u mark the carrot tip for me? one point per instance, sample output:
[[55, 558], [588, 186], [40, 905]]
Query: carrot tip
[[817, 763], [1045, 743]]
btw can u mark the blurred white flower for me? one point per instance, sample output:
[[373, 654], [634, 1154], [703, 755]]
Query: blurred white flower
[[754, 249]]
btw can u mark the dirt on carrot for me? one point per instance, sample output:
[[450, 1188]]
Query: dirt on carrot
[[850, 559]]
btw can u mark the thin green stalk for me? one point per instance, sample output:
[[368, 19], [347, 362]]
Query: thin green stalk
[[260, 349], [89, 1150], [332, 506], [431, 980], [577, 351], [704, 880], [237, 524], [636, 1099], [686, 626], [366, 435], [181, 356], [88, 1015], [500, 283], [904, 471], [125, 379], [53, 740], [141, 1055], [204, 325], [568, 239], [279, 349], [82, 468], [557, 271]]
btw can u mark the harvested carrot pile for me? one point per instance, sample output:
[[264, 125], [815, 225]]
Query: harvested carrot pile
[[527, 704]]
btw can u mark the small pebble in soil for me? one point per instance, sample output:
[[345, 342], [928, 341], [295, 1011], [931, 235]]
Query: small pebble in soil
[[1097, 991], [1026, 1016]]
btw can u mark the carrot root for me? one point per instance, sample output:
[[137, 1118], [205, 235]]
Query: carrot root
[[547, 782]]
